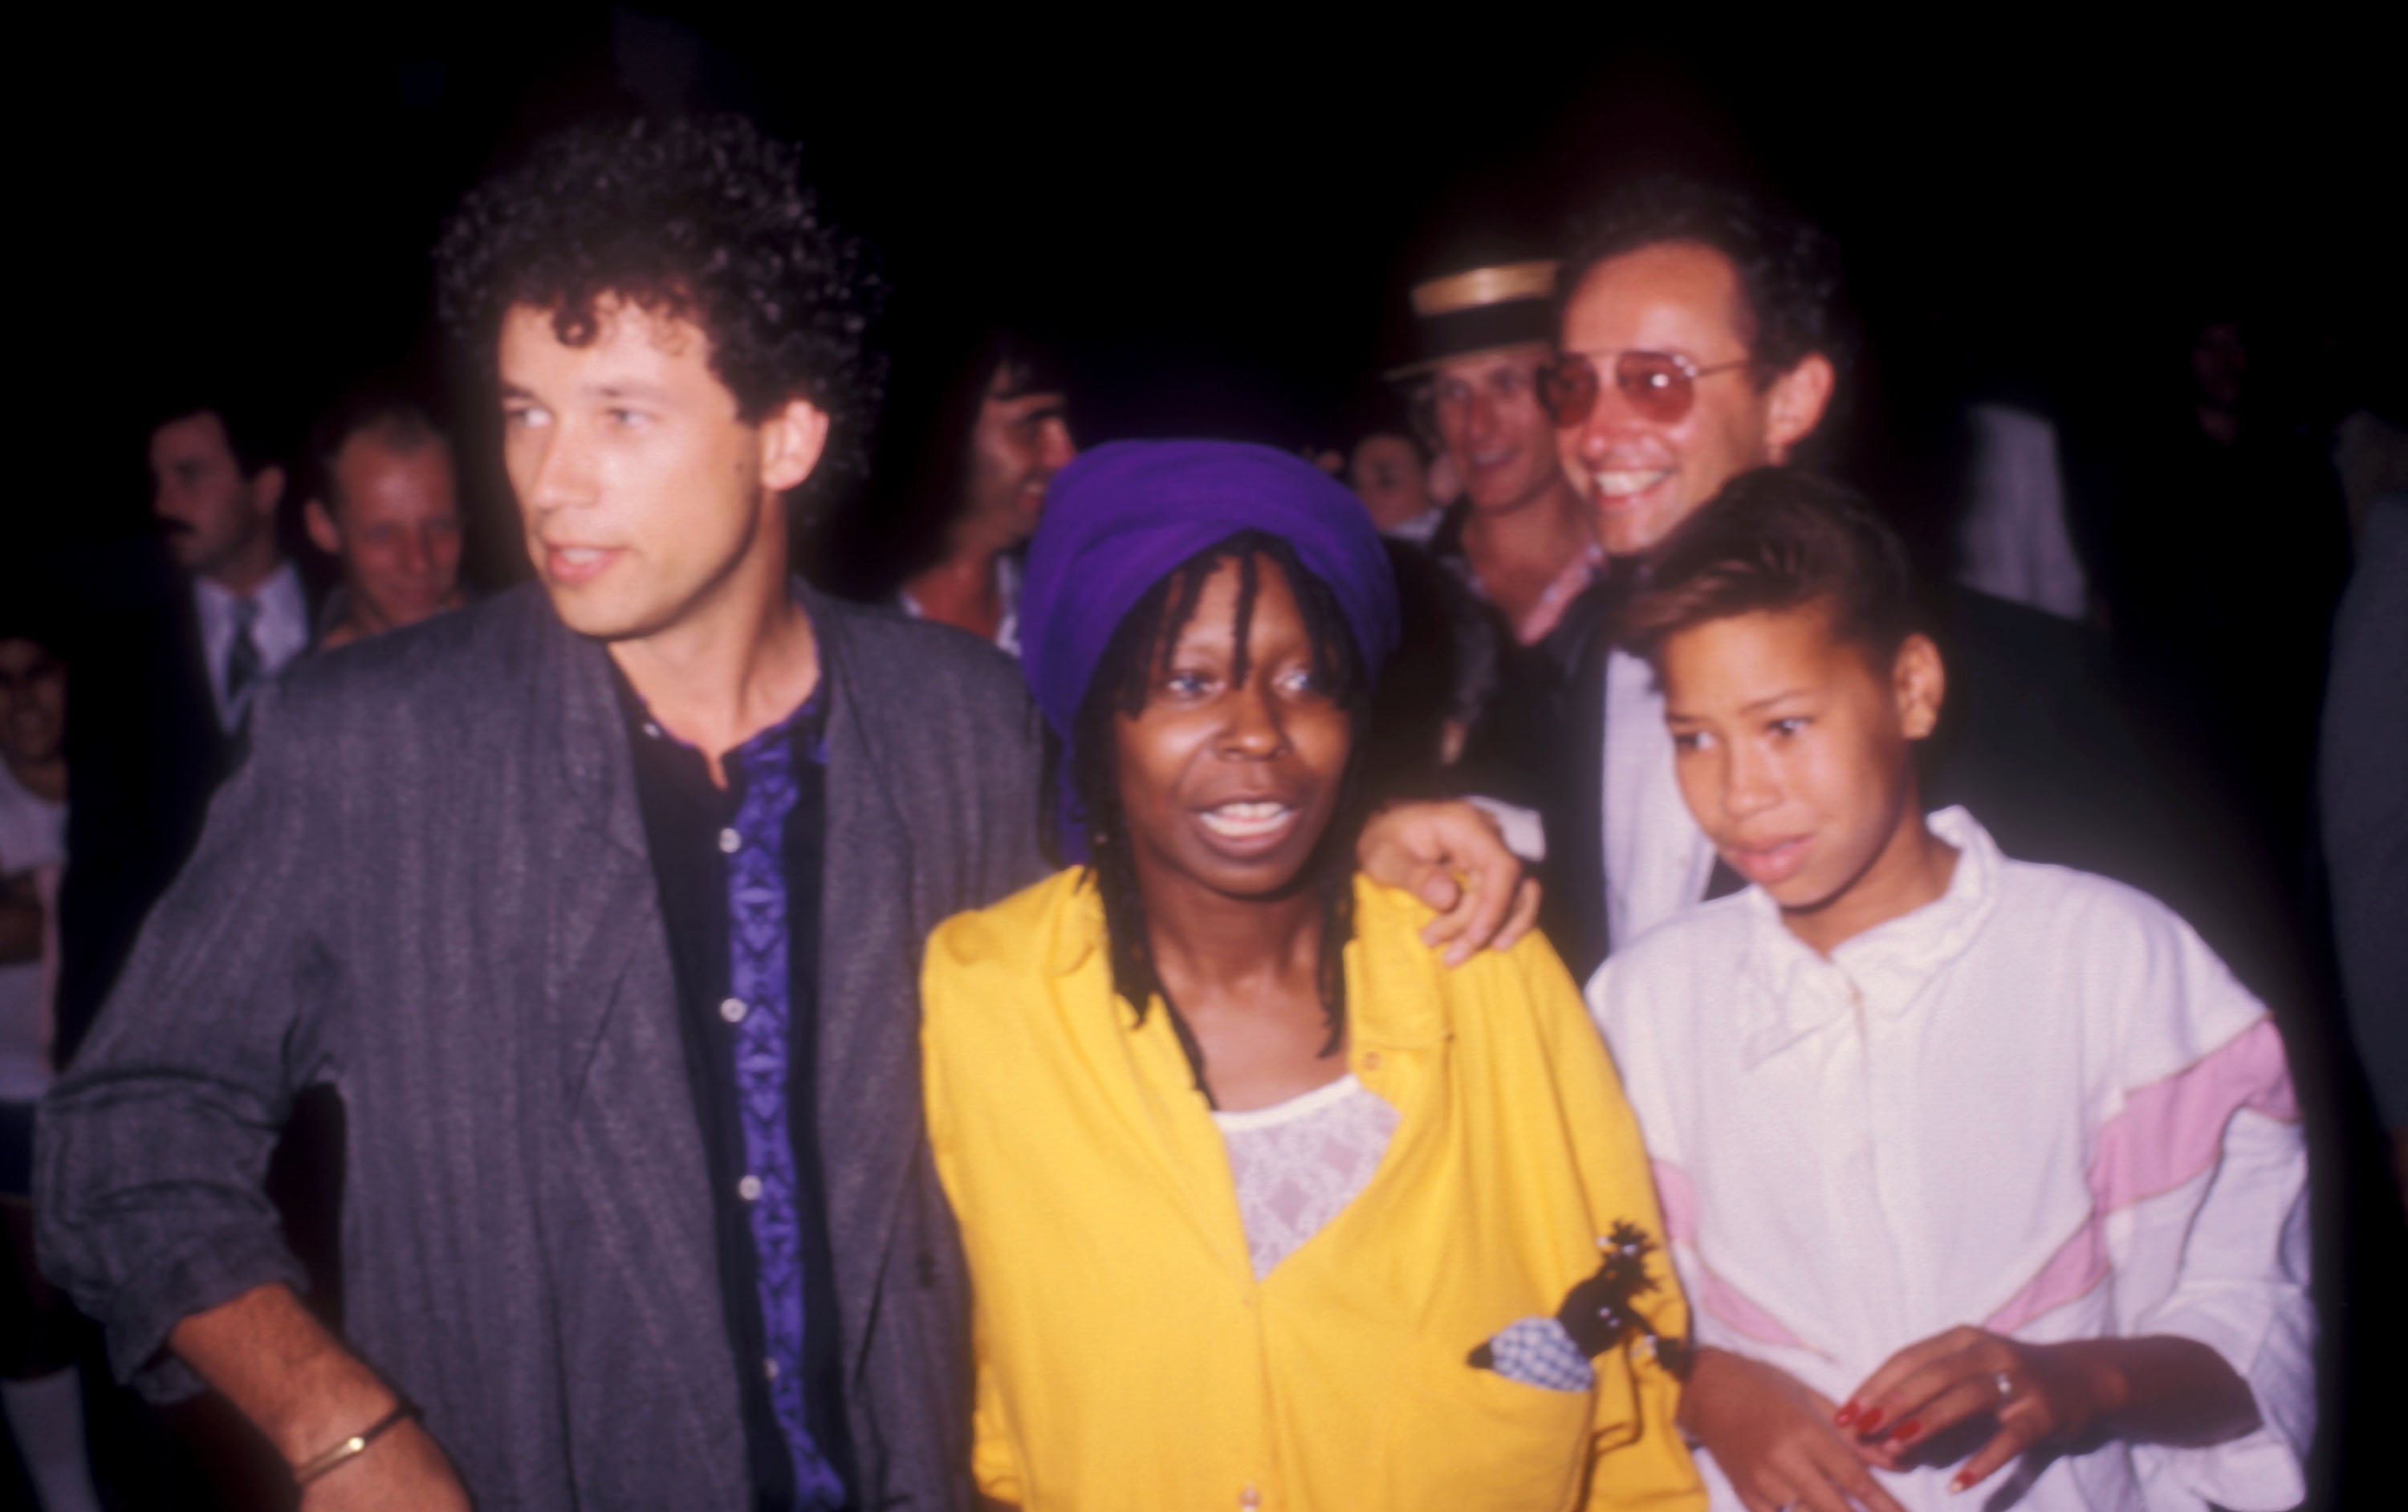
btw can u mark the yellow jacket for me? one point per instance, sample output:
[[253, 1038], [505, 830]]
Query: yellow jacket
[[1126, 1356]]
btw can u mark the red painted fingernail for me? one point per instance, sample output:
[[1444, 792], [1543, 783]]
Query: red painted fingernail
[[1907, 1429], [1846, 1415], [1873, 1421], [1961, 1481]]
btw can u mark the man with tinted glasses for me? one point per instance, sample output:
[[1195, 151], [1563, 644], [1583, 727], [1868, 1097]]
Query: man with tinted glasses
[[1701, 335]]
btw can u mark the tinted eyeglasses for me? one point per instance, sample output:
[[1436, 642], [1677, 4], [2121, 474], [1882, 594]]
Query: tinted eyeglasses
[[1661, 386]]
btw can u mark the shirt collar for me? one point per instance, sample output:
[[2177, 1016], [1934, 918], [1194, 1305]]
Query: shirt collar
[[1789, 992], [282, 606], [806, 721], [1381, 1008]]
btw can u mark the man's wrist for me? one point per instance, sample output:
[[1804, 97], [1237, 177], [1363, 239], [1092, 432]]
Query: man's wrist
[[352, 1446], [316, 1422]]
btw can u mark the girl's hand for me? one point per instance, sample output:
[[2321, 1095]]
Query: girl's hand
[[2036, 1392], [1774, 1438]]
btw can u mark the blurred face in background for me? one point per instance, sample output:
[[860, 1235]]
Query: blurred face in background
[[1021, 439], [33, 702], [1642, 467], [392, 521], [649, 504], [216, 517], [1500, 442], [1387, 474]]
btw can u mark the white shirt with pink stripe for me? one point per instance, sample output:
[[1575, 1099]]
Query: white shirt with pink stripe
[[2039, 1105]]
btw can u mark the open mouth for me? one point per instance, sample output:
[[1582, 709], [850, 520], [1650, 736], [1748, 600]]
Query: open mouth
[[1251, 828], [1623, 483], [577, 563], [1251, 820]]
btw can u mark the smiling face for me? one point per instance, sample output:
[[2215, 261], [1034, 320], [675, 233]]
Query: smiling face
[[1488, 416], [1227, 780], [1021, 439], [1794, 752], [1640, 475], [649, 503]]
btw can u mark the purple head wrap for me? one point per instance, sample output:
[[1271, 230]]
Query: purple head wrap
[[1122, 517]]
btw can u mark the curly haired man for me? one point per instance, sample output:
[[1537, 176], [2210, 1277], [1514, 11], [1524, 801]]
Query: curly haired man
[[601, 905]]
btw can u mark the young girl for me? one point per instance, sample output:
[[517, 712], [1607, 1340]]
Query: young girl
[[1264, 1207], [1972, 1167]]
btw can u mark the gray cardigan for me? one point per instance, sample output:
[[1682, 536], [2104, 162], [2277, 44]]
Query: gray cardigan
[[429, 886]]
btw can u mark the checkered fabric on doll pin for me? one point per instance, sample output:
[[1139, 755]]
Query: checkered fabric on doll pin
[[1553, 1353]]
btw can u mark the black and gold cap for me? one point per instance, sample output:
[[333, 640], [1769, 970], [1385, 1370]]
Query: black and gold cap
[[1478, 311]]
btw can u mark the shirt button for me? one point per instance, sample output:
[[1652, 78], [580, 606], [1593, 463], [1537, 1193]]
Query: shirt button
[[733, 1010], [769, 1369], [749, 1189], [652, 730], [729, 840]]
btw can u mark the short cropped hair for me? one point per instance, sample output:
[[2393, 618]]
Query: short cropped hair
[[1788, 269], [701, 219], [1773, 540], [251, 427], [394, 418]]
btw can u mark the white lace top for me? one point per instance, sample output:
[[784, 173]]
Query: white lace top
[[1299, 1162]]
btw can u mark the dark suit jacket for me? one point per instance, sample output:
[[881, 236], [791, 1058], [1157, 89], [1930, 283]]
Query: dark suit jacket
[[429, 886], [146, 752], [2036, 738], [2363, 790]]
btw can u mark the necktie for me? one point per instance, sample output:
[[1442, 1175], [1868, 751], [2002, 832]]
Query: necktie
[[243, 662]]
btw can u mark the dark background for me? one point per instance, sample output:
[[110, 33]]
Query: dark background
[[1221, 215]]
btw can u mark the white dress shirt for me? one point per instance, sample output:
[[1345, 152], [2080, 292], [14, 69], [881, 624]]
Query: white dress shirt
[[2039, 1106], [2013, 541], [1007, 587], [1658, 862], [282, 632]]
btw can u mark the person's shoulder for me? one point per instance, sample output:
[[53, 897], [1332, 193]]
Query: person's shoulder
[[2115, 940], [464, 654], [1668, 979], [879, 636], [1987, 624], [1710, 936], [2036, 896], [1528, 975], [1023, 932]]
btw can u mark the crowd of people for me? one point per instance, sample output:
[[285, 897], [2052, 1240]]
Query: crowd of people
[[1545, 958]]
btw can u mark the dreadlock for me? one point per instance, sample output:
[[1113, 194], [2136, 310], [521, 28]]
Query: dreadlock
[[1139, 653]]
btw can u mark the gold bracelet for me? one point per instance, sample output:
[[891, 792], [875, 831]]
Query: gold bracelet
[[357, 1443]]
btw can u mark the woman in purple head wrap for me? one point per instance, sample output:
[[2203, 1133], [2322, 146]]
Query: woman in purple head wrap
[[1263, 1207]]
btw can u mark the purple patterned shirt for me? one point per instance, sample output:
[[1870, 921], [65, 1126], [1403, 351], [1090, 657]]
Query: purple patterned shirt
[[761, 1012]]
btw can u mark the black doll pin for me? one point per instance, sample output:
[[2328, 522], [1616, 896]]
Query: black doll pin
[[1596, 1314]]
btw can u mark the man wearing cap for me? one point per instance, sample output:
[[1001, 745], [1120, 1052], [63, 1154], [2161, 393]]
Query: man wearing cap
[[1521, 536]]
